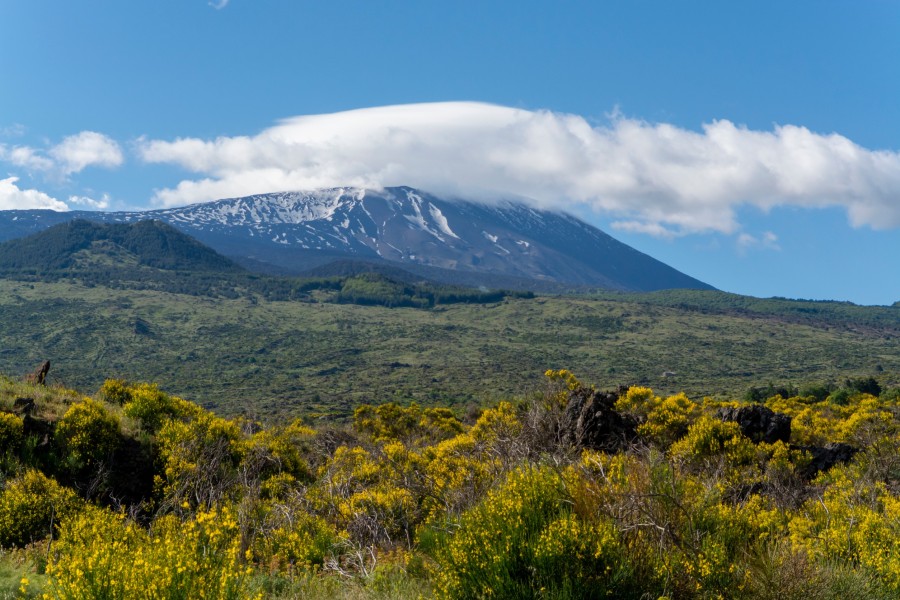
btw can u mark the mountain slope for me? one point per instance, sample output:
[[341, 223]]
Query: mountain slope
[[152, 244], [298, 231], [291, 358]]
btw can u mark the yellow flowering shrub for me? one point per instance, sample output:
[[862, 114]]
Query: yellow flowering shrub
[[151, 407], [31, 506], [599, 481], [116, 391], [388, 421], [563, 376], [709, 438], [88, 433], [522, 541], [384, 513], [682, 539], [862, 420], [638, 401], [581, 559], [300, 541], [11, 432], [391, 421], [726, 535], [439, 423], [560, 383], [495, 510], [348, 471], [854, 521], [866, 422], [100, 554], [200, 460], [669, 419], [457, 474], [497, 424], [662, 420], [365, 495], [280, 450]]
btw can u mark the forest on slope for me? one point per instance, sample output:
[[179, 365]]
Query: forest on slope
[[275, 358], [570, 493]]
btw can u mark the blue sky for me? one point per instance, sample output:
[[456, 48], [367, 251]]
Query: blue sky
[[755, 146]]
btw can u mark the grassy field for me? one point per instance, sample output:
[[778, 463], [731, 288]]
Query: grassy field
[[272, 359]]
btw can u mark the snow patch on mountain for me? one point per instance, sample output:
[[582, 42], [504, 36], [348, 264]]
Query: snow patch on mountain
[[441, 220]]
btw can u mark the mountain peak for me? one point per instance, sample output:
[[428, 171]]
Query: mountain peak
[[298, 230]]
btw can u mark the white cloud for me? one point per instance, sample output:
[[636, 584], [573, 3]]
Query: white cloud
[[766, 241], [101, 204], [72, 155], [656, 178], [219, 4], [14, 130], [654, 229], [25, 157], [12, 198], [86, 149]]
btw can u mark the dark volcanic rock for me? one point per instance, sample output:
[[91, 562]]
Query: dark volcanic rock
[[39, 428], [39, 377], [591, 421], [823, 458], [23, 405], [759, 423], [131, 477]]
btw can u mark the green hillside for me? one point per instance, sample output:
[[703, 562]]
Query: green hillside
[[273, 358], [73, 245], [151, 255]]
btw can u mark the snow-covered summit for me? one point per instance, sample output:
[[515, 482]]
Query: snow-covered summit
[[411, 227]]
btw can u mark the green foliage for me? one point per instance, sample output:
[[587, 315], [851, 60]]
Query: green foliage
[[863, 385], [840, 397], [818, 392], [761, 394], [153, 243], [285, 359], [373, 289], [817, 312]]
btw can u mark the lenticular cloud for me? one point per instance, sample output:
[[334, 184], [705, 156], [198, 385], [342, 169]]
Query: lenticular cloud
[[657, 178]]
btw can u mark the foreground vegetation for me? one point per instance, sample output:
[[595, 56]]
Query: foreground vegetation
[[276, 359], [569, 493]]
